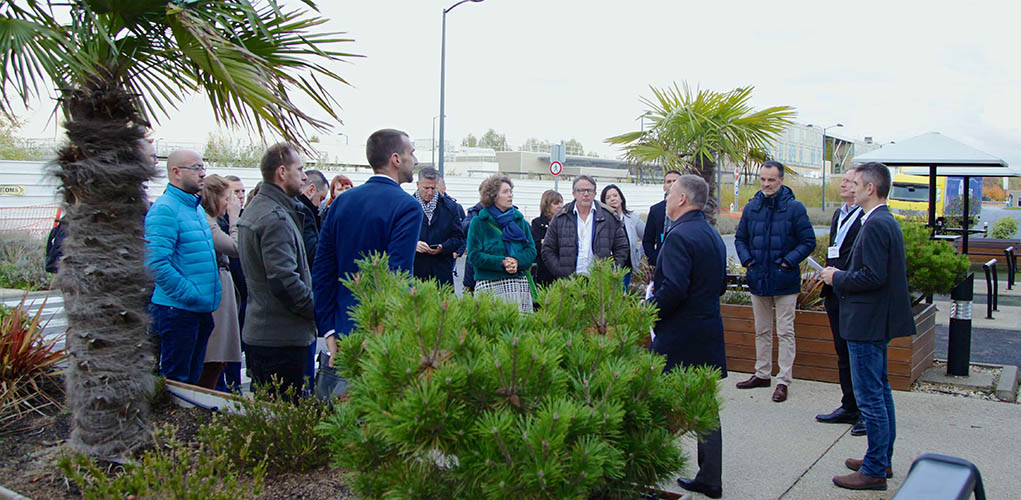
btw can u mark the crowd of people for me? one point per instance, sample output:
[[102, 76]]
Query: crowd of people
[[261, 275]]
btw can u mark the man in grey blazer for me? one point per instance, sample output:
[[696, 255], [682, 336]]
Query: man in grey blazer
[[875, 306]]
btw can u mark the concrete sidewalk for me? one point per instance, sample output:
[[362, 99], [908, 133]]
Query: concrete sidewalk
[[773, 450]]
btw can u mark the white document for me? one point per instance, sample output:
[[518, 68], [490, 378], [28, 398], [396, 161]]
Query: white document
[[813, 264]]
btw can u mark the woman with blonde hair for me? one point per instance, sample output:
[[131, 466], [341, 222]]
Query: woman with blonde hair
[[500, 245], [225, 341]]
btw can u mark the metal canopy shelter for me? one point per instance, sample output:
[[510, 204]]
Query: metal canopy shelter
[[944, 157]]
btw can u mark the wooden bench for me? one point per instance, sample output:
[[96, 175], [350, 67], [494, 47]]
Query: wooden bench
[[981, 250]]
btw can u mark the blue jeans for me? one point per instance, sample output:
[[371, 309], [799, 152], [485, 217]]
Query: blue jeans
[[870, 377], [183, 336]]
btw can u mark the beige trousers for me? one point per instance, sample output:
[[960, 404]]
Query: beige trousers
[[763, 309]]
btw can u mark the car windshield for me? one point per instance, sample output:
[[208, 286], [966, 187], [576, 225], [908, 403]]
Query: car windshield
[[909, 192]]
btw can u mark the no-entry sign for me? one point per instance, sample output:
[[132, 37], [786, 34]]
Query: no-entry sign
[[555, 167]]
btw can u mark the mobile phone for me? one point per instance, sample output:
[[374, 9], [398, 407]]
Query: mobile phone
[[434, 247]]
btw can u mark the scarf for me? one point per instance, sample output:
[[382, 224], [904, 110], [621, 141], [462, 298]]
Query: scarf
[[512, 233], [428, 208]]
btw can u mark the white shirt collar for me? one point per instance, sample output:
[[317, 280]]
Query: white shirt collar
[[867, 214]]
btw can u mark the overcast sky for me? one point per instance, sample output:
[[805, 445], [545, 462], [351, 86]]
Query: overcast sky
[[561, 69]]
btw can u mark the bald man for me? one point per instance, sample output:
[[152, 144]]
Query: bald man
[[179, 254]]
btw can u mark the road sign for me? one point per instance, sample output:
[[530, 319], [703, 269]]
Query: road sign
[[555, 167]]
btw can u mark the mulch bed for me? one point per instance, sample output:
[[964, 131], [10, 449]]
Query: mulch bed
[[29, 449]]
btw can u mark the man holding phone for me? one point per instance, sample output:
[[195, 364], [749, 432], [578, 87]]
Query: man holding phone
[[441, 234]]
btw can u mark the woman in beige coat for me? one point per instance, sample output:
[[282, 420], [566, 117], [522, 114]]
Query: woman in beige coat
[[225, 342]]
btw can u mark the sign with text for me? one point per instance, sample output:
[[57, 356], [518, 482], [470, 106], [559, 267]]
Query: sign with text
[[12, 190]]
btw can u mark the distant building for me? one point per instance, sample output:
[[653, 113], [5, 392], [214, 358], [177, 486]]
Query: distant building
[[800, 147]]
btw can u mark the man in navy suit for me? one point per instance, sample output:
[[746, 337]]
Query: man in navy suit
[[441, 235], [874, 307], [377, 216], [844, 229], [691, 275], [656, 224]]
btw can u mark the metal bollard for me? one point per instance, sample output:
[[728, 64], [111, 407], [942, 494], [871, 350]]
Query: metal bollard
[[990, 287], [959, 339], [1011, 266]]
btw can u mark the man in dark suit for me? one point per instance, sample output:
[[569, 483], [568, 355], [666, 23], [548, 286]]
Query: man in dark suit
[[377, 216], [690, 277], [656, 223], [875, 306], [844, 229]]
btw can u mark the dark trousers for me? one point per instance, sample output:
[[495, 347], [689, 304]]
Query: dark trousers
[[183, 336], [285, 363], [710, 457], [843, 362]]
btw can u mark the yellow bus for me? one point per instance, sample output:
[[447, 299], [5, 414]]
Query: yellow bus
[[909, 196]]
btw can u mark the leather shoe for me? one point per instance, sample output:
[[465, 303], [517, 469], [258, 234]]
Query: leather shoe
[[838, 416], [859, 427], [859, 481], [697, 487], [754, 382], [780, 394], [855, 464]]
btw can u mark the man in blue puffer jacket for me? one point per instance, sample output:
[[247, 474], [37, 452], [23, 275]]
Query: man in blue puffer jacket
[[179, 254], [772, 239]]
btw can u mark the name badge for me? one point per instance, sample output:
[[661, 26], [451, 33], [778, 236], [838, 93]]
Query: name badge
[[833, 252]]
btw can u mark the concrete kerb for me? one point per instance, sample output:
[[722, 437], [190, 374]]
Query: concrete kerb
[[1006, 387]]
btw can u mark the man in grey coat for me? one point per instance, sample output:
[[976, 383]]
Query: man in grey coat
[[583, 231], [280, 320]]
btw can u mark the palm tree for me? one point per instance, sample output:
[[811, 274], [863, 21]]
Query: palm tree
[[693, 129], [117, 67]]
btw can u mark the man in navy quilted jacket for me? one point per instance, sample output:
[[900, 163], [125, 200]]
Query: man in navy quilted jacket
[[179, 254], [772, 239]]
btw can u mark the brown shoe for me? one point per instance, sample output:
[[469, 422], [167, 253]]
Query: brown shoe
[[855, 464], [780, 394], [754, 382], [859, 481]]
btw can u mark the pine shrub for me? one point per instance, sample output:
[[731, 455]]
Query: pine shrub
[[1004, 228], [467, 398], [933, 266]]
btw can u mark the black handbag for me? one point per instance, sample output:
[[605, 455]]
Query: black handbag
[[329, 384]]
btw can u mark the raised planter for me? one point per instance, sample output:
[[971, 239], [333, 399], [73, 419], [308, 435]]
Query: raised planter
[[816, 358]]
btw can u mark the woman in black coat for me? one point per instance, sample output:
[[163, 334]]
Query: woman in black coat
[[549, 204]]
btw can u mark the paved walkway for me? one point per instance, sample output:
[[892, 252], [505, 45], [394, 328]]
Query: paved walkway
[[773, 450]]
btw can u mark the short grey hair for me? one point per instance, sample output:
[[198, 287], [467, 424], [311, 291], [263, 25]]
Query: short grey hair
[[428, 173], [316, 177], [583, 178], [696, 188], [877, 174]]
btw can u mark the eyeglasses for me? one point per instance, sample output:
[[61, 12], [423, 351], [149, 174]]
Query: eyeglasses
[[585, 191], [196, 168]]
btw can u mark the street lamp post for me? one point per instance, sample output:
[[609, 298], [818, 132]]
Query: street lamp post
[[443, 71], [823, 155]]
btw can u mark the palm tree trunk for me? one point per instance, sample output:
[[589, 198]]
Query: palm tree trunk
[[706, 169], [102, 275]]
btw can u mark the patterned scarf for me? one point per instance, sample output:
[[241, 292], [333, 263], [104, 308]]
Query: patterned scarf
[[428, 208]]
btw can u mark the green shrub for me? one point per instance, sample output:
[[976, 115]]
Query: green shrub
[[1005, 228], [467, 398], [934, 267], [23, 262], [273, 429], [171, 469]]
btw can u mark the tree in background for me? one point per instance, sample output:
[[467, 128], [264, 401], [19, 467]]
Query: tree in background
[[13, 147], [227, 152], [491, 139], [118, 66], [692, 129], [535, 145]]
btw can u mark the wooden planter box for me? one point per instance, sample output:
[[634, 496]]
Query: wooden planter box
[[816, 358]]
